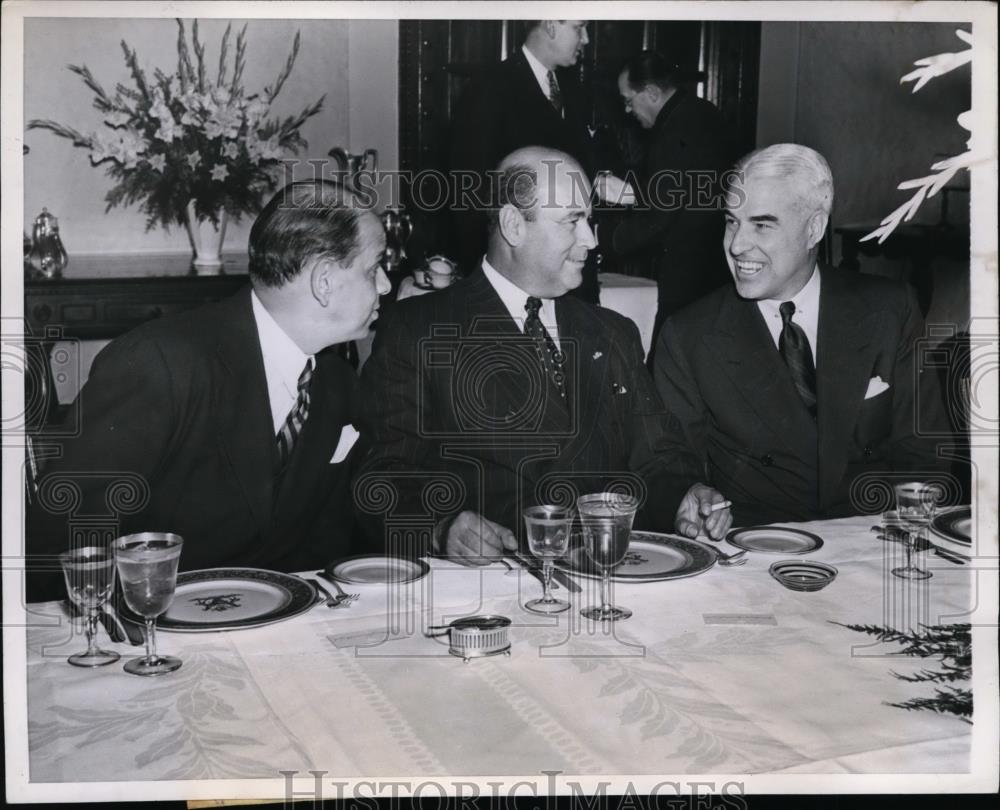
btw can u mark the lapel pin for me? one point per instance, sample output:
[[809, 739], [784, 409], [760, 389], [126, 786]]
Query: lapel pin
[[598, 355]]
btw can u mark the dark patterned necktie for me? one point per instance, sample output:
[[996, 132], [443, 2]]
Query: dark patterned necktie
[[794, 348], [296, 418], [555, 94], [548, 353]]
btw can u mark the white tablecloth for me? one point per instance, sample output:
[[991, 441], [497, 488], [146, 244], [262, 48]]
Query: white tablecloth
[[635, 298], [726, 672]]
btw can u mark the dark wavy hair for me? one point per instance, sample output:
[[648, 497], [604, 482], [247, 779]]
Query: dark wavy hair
[[306, 219], [651, 67]]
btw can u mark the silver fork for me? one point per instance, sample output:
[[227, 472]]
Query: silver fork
[[332, 601], [739, 558]]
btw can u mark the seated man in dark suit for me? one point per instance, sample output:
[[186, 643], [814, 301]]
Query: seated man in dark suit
[[795, 385], [502, 392], [230, 425]]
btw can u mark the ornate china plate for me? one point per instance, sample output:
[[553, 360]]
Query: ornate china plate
[[774, 540], [232, 599], [375, 569], [651, 557]]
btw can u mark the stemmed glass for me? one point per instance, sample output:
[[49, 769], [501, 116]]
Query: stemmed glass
[[548, 538], [147, 567], [915, 503], [607, 522], [90, 579]]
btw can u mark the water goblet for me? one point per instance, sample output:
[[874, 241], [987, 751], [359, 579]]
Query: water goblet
[[147, 568], [90, 579], [607, 522], [548, 530], [915, 504]]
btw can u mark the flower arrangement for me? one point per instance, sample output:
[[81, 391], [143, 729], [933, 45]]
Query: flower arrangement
[[183, 138]]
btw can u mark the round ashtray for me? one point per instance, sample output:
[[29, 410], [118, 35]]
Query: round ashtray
[[477, 636], [802, 575]]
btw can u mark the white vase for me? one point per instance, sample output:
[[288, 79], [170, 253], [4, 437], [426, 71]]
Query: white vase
[[206, 238]]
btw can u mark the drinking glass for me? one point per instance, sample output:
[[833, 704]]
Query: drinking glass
[[548, 530], [607, 522], [915, 503], [90, 579], [147, 568]]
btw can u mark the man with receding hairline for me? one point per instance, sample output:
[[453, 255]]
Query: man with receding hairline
[[237, 416], [797, 380], [518, 389]]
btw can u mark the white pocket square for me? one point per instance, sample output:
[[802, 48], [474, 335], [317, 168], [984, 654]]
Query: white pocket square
[[348, 436], [876, 385]]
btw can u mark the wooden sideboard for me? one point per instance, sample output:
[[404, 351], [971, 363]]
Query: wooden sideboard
[[101, 297]]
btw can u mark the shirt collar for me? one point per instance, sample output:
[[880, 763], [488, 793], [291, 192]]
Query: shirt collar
[[541, 72], [282, 355], [806, 300], [514, 299]]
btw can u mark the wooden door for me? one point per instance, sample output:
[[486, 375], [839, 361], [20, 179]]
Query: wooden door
[[438, 58]]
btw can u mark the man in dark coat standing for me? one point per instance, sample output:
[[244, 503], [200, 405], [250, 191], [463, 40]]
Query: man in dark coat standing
[[676, 218], [230, 425], [502, 391], [530, 99]]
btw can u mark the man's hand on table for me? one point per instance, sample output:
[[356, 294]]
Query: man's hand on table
[[471, 539], [695, 516]]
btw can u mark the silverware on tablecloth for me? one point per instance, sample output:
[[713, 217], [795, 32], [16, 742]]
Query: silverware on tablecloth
[[566, 580], [530, 567], [119, 630], [894, 534], [739, 558], [341, 597]]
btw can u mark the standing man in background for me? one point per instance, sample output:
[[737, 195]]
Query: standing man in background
[[676, 218], [529, 99]]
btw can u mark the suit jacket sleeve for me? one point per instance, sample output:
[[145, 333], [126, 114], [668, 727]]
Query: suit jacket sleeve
[[658, 451], [676, 384], [397, 458], [125, 414]]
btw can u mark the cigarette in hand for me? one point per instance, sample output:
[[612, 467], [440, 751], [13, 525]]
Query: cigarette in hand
[[715, 507]]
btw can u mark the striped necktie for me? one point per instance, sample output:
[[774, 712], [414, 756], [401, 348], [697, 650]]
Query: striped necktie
[[555, 93], [794, 348], [296, 418]]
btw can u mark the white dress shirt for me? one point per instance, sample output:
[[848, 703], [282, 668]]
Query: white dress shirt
[[541, 72], [514, 298], [806, 312], [283, 363]]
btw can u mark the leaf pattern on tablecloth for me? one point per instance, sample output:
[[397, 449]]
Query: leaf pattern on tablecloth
[[665, 704], [176, 725]]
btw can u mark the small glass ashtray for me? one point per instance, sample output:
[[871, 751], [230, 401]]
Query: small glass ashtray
[[803, 575]]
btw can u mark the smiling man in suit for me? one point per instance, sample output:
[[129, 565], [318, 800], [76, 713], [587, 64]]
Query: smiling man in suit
[[231, 424], [505, 392], [796, 379]]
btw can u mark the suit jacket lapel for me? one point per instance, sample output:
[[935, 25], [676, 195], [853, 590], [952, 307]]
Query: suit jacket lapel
[[748, 357], [843, 367], [245, 427]]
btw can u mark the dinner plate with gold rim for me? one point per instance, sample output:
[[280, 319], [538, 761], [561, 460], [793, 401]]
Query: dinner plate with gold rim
[[774, 540], [232, 599], [651, 557], [375, 569]]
